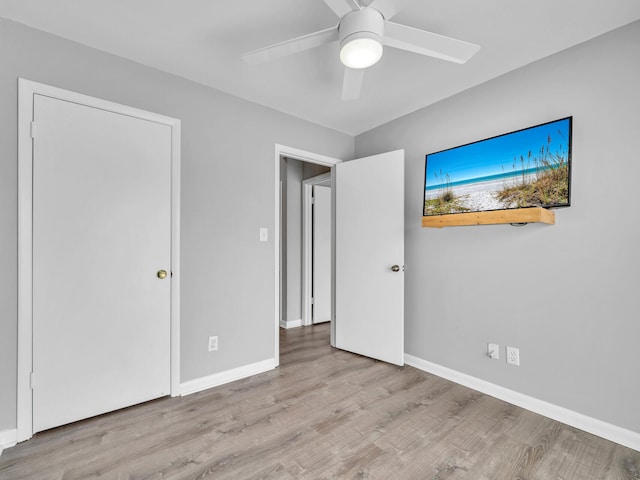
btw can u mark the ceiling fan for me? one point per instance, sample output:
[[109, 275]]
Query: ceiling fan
[[362, 32]]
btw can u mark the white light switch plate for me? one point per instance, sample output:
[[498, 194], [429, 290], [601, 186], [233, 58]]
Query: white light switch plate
[[264, 234]]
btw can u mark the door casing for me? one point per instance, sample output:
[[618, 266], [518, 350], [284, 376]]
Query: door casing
[[26, 91]]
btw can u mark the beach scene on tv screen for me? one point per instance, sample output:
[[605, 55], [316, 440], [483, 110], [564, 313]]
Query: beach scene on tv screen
[[527, 168]]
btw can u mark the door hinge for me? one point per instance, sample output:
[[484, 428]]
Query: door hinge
[[32, 380], [313, 301], [313, 200], [33, 129]]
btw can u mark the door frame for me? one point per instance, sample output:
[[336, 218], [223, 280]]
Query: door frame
[[283, 151], [307, 250], [26, 91]]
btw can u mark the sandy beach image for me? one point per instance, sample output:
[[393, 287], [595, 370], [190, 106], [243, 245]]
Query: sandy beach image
[[479, 196], [526, 168]]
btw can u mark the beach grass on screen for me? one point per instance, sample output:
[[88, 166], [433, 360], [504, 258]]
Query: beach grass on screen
[[527, 168]]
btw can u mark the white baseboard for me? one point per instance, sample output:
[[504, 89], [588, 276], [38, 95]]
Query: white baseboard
[[597, 427], [199, 384], [290, 323], [8, 438]]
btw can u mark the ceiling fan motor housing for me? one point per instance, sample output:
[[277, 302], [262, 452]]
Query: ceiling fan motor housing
[[360, 34], [365, 23]]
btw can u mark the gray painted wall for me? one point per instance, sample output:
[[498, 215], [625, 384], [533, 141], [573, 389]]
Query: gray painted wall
[[566, 295], [227, 194], [293, 251]]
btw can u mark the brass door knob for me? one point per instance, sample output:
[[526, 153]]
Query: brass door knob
[[395, 268], [162, 274]]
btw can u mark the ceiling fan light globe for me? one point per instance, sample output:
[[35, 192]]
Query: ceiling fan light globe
[[360, 52]]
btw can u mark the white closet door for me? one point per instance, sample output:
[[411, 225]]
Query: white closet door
[[101, 232]]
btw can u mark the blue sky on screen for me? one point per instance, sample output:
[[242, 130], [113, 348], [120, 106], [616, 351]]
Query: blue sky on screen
[[488, 157]]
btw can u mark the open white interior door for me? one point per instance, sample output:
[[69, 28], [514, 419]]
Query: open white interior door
[[369, 256]]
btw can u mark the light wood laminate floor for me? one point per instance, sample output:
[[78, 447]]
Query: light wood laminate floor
[[324, 414]]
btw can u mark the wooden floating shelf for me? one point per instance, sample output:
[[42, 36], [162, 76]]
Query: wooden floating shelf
[[494, 217]]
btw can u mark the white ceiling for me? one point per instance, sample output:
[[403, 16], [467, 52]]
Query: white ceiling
[[202, 40]]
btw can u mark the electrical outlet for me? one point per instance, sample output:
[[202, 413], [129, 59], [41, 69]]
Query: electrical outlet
[[213, 343], [493, 351], [513, 356]]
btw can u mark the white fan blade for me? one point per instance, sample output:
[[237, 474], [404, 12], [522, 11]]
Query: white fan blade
[[388, 8], [289, 47], [342, 7], [352, 83], [427, 43]]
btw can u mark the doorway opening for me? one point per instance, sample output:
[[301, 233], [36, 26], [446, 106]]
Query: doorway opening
[[305, 243], [303, 273]]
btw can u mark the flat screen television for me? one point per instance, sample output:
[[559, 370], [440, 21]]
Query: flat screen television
[[526, 168]]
